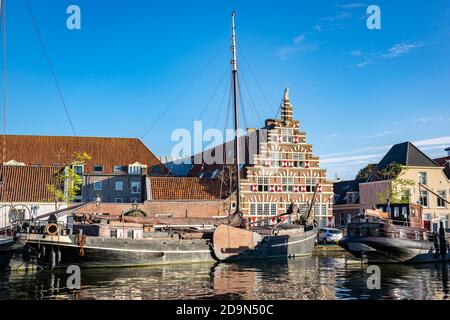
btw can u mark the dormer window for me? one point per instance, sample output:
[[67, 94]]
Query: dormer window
[[135, 168]]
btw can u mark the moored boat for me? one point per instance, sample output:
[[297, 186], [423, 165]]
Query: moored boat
[[383, 241]]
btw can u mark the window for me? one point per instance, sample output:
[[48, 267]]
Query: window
[[135, 187], [396, 212], [134, 169], [263, 184], [321, 210], [118, 200], [78, 169], [130, 234], [288, 184], [286, 135], [311, 184], [119, 169], [113, 233], [263, 209], [98, 168], [441, 202], [424, 198], [97, 185], [155, 169], [423, 178], [352, 197], [119, 185]]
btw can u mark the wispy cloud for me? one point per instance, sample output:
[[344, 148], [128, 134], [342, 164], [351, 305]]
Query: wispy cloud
[[306, 42], [333, 135], [382, 134], [433, 142], [287, 52], [396, 51], [357, 53], [352, 5], [432, 118], [353, 159]]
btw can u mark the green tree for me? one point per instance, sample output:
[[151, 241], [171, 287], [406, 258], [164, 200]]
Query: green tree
[[365, 172], [398, 189], [68, 182]]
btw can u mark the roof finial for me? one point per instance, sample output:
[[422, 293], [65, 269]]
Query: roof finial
[[286, 94]]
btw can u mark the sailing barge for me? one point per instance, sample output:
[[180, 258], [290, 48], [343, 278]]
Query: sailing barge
[[113, 241], [379, 239]]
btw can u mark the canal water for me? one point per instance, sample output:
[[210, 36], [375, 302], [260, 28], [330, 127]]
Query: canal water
[[322, 276]]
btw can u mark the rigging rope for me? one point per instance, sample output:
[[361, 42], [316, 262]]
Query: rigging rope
[[214, 93], [50, 66], [181, 93], [253, 105], [256, 80]]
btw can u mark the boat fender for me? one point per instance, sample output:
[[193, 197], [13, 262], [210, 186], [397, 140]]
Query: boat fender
[[52, 259], [59, 256], [26, 254], [43, 251]]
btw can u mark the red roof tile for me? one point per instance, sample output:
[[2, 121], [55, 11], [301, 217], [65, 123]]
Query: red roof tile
[[52, 150], [185, 188], [26, 184]]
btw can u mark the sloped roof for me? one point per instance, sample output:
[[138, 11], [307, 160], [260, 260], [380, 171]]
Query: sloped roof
[[341, 188], [26, 183], [406, 154], [184, 188], [444, 162], [59, 150]]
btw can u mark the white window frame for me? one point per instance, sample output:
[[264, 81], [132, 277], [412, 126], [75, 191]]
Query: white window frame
[[441, 193], [119, 183], [95, 185], [263, 208], [423, 176], [133, 185], [118, 200]]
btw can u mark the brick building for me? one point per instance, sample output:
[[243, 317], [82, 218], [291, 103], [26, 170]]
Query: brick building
[[280, 169], [116, 172]]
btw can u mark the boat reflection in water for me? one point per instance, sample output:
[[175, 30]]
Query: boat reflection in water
[[316, 277]]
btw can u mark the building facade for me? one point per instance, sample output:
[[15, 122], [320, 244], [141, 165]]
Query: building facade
[[286, 171], [278, 168], [425, 179], [116, 172]]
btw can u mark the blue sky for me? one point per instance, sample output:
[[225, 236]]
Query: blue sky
[[356, 91]]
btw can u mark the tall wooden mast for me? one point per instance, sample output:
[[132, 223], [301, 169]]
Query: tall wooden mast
[[236, 114]]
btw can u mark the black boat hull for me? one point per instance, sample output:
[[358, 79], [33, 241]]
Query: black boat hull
[[391, 250], [105, 252], [292, 244]]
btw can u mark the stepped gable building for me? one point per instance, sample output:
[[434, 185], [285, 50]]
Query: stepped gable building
[[116, 172], [280, 169]]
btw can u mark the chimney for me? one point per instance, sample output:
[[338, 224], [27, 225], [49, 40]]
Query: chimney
[[448, 151]]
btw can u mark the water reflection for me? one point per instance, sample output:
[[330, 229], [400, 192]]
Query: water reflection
[[317, 277]]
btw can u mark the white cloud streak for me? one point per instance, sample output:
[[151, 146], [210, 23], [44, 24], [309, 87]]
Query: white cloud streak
[[396, 51]]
